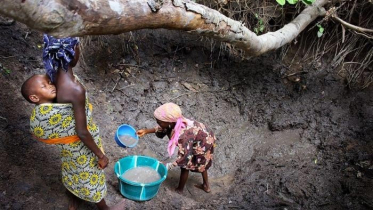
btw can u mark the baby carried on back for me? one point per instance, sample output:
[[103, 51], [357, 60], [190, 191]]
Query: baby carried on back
[[54, 123]]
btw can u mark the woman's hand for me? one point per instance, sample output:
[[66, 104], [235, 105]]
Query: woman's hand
[[103, 162], [141, 132]]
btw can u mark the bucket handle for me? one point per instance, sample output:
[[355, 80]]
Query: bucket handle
[[118, 175]]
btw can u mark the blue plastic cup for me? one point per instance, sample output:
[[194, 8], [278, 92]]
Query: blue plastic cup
[[126, 130]]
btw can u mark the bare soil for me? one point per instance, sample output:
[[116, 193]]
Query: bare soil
[[283, 142]]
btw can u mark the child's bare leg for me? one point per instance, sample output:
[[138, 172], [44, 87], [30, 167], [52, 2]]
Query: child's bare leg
[[73, 201], [102, 205], [205, 186], [183, 178]]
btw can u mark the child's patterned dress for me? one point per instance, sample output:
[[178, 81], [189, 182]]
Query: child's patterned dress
[[196, 146]]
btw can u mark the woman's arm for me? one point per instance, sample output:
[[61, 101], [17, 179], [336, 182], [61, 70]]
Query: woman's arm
[[78, 102]]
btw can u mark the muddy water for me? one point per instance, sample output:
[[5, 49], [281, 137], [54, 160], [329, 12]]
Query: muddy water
[[142, 174], [127, 140]]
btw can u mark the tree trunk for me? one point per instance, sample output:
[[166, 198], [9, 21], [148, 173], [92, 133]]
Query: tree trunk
[[82, 17]]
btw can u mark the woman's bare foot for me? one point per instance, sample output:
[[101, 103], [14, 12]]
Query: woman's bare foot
[[73, 202], [203, 187], [119, 206]]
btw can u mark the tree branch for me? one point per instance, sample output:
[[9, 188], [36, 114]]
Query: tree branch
[[80, 17], [350, 26]]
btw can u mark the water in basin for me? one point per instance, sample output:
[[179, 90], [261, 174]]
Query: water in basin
[[142, 174]]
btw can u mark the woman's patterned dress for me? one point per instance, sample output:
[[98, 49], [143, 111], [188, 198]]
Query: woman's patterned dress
[[80, 172], [196, 146]]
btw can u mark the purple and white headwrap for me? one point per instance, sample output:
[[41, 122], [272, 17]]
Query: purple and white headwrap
[[58, 53]]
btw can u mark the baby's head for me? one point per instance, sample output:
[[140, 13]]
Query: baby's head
[[38, 89]]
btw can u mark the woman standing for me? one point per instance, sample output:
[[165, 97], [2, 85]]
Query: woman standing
[[195, 141], [83, 160]]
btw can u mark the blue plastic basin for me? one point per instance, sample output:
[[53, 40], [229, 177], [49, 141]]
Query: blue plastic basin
[[134, 190], [126, 130]]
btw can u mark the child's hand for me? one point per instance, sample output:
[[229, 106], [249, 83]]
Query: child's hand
[[170, 166], [141, 132], [103, 162]]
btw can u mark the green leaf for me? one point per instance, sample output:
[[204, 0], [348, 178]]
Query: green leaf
[[256, 30], [319, 34], [281, 2], [292, 1], [321, 29], [309, 2], [261, 28]]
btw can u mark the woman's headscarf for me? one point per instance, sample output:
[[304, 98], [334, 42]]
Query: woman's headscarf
[[171, 112], [58, 53]]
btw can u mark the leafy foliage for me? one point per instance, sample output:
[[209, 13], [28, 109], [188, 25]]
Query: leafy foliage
[[320, 32], [282, 2], [4, 70], [309, 2], [292, 1], [347, 52], [260, 25]]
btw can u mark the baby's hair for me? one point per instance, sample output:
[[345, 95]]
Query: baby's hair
[[26, 89]]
